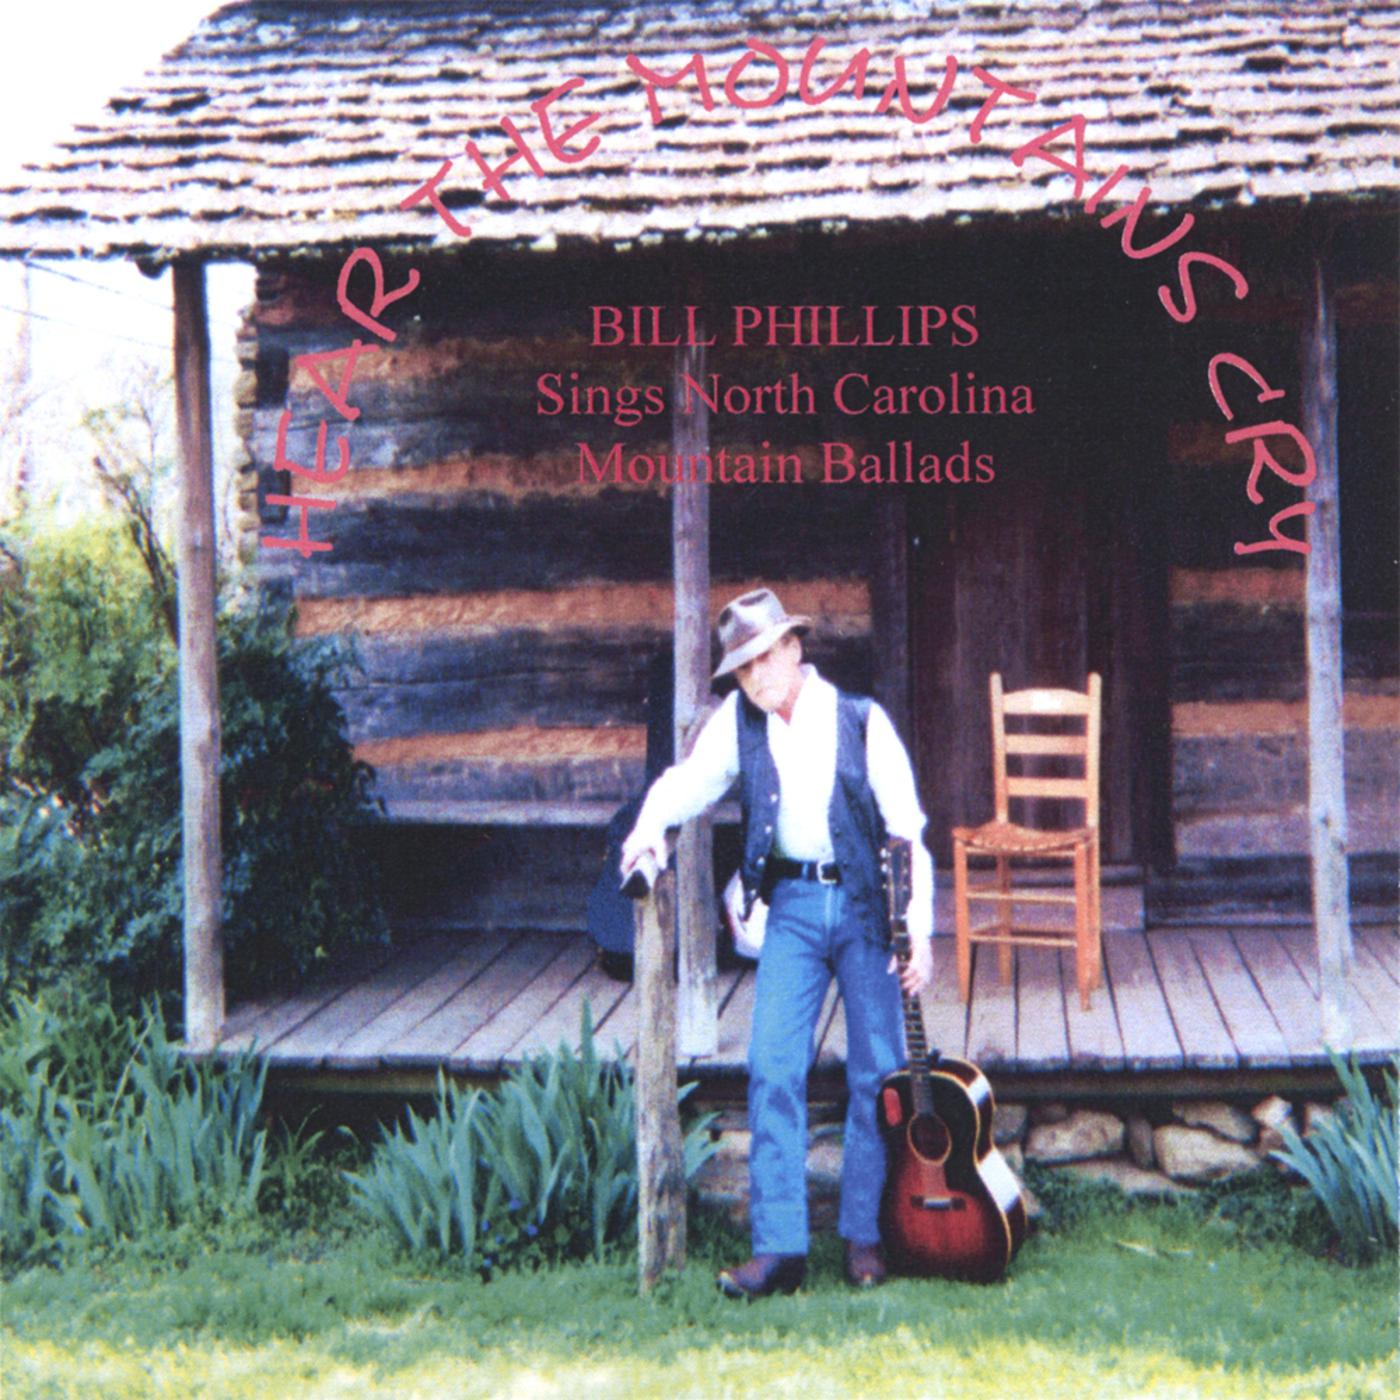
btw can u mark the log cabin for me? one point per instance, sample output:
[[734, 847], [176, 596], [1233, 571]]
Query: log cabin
[[958, 397]]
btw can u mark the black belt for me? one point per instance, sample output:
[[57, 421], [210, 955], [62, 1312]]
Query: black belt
[[825, 872]]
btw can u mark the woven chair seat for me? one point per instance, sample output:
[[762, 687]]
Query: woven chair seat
[[1007, 838]]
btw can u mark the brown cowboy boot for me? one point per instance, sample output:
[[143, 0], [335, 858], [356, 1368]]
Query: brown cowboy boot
[[865, 1265], [764, 1274]]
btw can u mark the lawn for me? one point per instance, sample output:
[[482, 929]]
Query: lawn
[[1113, 1301]]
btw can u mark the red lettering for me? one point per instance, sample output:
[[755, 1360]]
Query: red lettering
[[1183, 272], [899, 86], [558, 146], [429, 191], [652, 80], [1266, 394], [335, 397], [1263, 457], [856, 67], [1279, 540], [282, 463], [370, 320], [607, 318], [1101, 193], [999, 90], [491, 181], [1129, 217], [1038, 148], [303, 543], [780, 82]]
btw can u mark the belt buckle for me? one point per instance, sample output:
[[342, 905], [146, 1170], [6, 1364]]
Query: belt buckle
[[822, 867]]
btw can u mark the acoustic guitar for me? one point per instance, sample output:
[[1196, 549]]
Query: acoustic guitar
[[951, 1206]]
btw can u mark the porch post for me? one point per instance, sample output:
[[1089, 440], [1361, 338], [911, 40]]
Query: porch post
[[1327, 803], [199, 681], [695, 871]]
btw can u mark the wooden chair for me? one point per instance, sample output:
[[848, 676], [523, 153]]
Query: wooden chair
[[1004, 840]]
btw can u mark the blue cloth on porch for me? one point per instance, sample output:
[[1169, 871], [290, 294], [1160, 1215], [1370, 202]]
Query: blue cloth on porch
[[609, 913], [813, 930]]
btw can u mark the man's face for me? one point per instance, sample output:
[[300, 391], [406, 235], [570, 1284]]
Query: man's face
[[773, 679]]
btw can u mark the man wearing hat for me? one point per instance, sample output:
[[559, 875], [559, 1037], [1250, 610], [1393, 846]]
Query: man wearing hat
[[823, 778]]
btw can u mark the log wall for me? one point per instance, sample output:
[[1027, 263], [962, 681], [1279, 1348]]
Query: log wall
[[507, 614], [1237, 664]]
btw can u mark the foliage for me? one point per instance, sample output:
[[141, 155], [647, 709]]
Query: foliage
[[1350, 1161], [90, 873], [106, 1134], [542, 1168]]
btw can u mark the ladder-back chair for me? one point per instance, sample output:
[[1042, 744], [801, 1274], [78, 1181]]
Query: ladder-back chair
[[1005, 841]]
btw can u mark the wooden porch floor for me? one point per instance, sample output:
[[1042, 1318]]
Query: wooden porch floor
[[1237, 1004]]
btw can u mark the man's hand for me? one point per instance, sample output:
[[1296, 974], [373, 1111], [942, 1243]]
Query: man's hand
[[640, 843], [917, 973]]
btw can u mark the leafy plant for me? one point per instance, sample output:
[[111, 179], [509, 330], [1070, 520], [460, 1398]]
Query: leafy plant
[[1350, 1161], [542, 1168], [118, 1137], [90, 873]]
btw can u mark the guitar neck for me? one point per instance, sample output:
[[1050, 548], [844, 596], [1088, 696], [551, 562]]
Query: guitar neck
[[921, 1060]]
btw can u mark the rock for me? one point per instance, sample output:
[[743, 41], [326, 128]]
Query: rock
[[1272, 1115], [1009, 1124], [1132, 1179], [1199, 1155], [723, 1182], [1272, 1112], [1048, 1113], [1140, 1142], [735, 1142], [1015, 1157], [1315, 1115], [824, 1163], [1223, 1119], [1084, 1133]]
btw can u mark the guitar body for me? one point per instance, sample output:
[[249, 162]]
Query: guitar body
[[951, 1206]]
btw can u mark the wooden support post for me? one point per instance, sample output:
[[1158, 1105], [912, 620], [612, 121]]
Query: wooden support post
[[1327, 801], [660, 1158], [199, 679], [889, 604], [695, 869]]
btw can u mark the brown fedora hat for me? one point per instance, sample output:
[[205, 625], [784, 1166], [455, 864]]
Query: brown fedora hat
[[749, 625]]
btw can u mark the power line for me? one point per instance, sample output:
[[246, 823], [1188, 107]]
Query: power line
[[97, 286], [114, 335]]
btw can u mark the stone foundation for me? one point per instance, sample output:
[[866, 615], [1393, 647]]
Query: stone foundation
[[1145, 1148]]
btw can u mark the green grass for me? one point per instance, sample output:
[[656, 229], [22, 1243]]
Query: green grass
[[1141, 1301]]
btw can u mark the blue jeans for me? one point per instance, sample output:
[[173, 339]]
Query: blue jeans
[[810, 934]]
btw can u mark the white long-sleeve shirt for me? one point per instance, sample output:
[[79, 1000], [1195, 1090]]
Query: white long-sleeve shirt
[[804, 750]]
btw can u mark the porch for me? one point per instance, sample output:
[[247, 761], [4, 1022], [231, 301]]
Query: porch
[[1217, 1007]]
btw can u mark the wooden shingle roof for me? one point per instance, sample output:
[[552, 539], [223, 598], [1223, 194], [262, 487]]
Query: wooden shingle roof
[[287, 125]]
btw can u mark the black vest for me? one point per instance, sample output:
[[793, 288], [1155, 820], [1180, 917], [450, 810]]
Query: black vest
[[857, 828]]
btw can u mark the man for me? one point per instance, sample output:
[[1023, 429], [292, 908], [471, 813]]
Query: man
[[823, 777]]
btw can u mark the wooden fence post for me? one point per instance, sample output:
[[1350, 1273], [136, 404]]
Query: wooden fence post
[[660, 1158]]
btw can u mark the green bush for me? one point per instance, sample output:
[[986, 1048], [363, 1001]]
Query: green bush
[[1350, 1161], [543, 1168], [107, 1134], [90, 856]]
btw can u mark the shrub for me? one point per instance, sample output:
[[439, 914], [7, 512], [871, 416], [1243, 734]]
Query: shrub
[[90, 873], [542, 1168], [107, 1134], [1350, 1161]]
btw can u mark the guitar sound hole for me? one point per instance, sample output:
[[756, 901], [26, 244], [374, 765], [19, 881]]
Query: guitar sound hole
[[930, 1137]]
